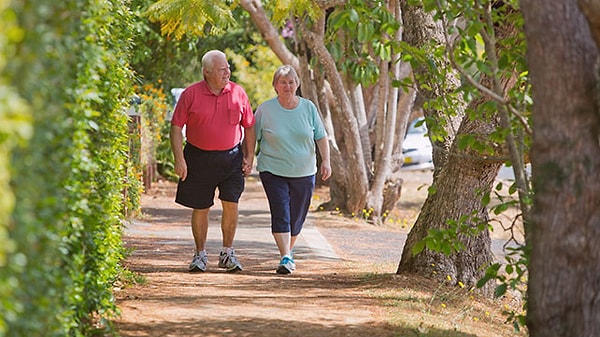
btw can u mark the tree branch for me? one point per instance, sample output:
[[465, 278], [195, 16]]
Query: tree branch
[[269, 32]]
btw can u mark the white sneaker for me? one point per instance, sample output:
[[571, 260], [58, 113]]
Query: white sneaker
[[229, 262], [199, 263], [286, 265]]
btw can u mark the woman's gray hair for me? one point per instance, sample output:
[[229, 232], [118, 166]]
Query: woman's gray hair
[[208, 60], [285, 71]]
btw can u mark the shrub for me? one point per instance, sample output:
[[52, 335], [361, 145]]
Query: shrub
[[68, 179]]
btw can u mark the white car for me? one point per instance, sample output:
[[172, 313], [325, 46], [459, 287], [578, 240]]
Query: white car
[[416, 147]]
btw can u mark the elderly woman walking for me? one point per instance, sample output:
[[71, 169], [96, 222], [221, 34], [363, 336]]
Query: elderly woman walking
[[287, 129]]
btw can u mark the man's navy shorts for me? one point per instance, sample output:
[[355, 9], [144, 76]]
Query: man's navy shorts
[[207, 171]]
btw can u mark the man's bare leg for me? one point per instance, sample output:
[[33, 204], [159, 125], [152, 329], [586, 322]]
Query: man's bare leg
[[200, 227], [229, 222], [199, 230]]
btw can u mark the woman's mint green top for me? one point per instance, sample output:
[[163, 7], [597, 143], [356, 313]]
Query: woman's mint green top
[[286, 138]]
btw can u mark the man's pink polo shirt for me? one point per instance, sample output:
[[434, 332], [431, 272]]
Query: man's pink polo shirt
[[213, 122]]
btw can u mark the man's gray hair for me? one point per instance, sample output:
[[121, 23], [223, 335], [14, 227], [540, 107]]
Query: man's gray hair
[[208, 60]]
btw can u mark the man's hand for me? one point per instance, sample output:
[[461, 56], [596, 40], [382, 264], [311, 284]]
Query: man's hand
[[176, 138], [247, 166], [181, 169]]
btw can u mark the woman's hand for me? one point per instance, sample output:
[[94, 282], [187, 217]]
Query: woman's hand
[[325, 171]]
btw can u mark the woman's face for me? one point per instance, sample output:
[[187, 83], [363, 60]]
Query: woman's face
[[286, 86]]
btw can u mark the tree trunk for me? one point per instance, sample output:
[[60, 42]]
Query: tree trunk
[[352, 182], [564, 270], [461, 177], [458, 191], [385, 187], [420, 29]]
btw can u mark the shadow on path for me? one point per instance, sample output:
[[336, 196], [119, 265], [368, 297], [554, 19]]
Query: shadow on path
[[321, 298]]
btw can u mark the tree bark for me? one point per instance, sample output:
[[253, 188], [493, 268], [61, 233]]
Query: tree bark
[[564, 270], [355, 182], [458, 191], [461, 177], [385, 188], [420, 29], [270, 34]]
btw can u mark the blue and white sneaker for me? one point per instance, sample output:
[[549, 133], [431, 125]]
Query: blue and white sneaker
[[199, 263], [286, 265]]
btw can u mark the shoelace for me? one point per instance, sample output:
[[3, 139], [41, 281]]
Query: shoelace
[[231, 258], [198, 257]]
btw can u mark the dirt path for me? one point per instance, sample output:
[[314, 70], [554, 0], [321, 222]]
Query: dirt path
[[324, 297], [344, 285]]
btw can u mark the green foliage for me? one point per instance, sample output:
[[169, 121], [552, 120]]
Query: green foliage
[[469, 54], [448, 240], [358, 36], [154, 132], [510, 275], [513, 273], [176, 63], [282, 10], [15, 127], [254, 68], [201, 17], [164, 155], [159, 59], [133, 177], [68, 179], [153, 110]]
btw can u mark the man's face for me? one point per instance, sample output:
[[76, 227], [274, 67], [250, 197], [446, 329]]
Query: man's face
[[218, 76]]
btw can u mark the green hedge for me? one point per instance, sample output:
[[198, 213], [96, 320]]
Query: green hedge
[[68, 179], [14, 128]]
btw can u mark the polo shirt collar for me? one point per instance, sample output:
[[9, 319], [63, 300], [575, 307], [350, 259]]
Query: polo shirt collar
[[207, 91]]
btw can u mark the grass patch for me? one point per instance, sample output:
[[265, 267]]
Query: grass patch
[[421, 307]]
